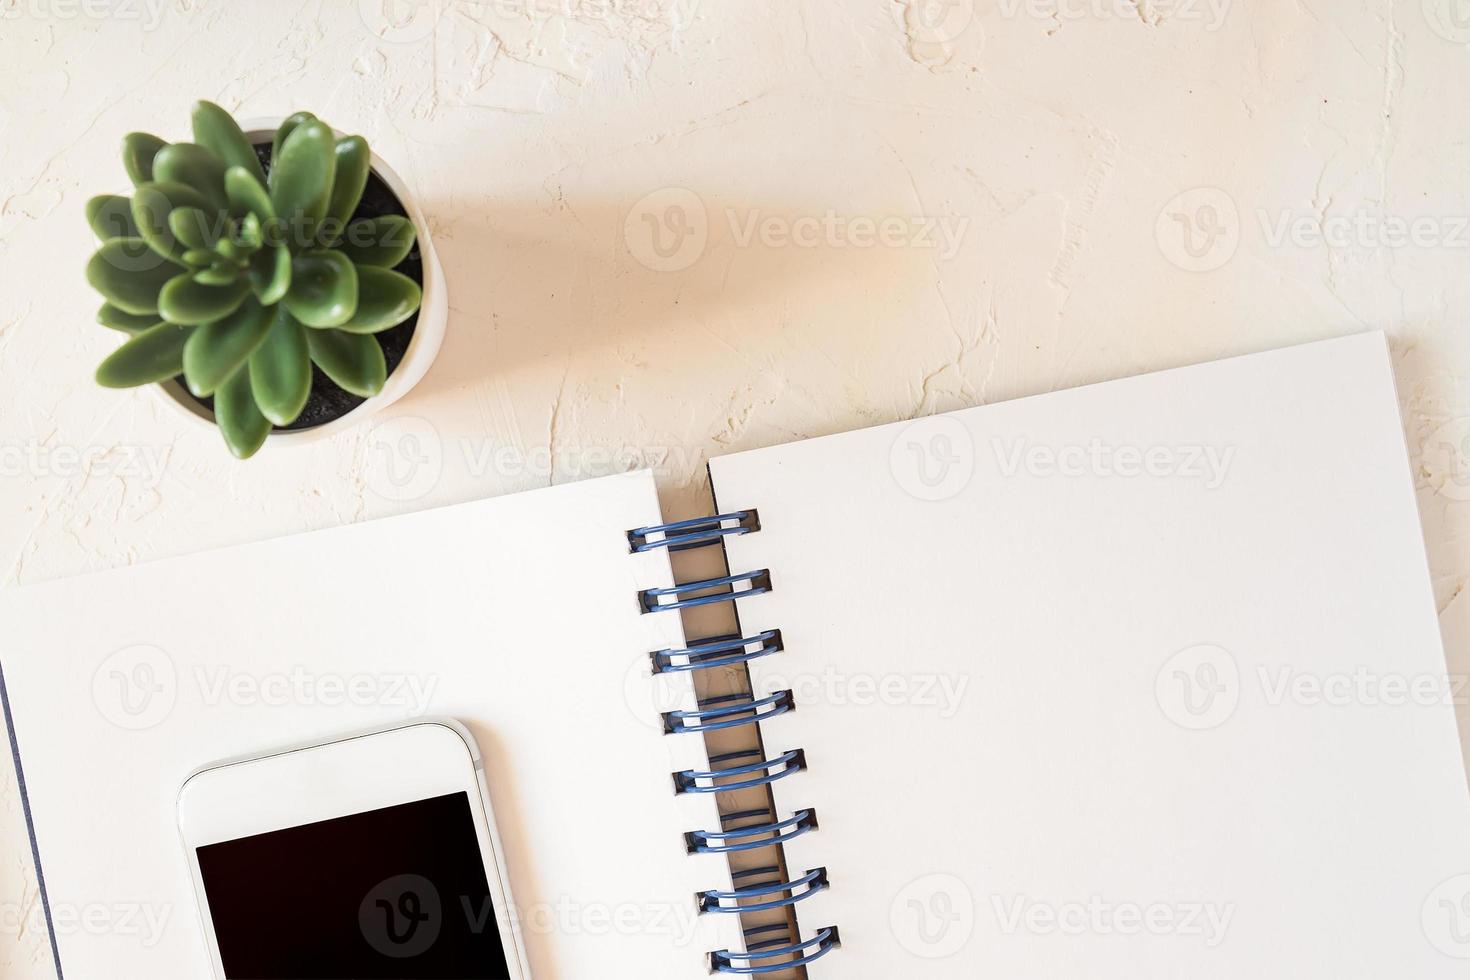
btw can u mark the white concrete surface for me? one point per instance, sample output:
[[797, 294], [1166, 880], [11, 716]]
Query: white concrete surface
[[674, 228]]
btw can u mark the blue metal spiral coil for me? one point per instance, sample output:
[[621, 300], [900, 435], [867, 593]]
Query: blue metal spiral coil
[[708, 781], [791, 892], [717, 651], [763, 834], [723, 589], [697, 533], [730, 711], [800, 954], [768, 948]]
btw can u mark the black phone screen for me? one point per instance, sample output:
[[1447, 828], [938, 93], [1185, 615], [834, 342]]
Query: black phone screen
[[394, 893]]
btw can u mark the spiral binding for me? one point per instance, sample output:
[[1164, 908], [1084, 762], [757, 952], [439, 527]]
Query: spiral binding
[[747, 769], [809, 883], [728, 711], [726, 961], [751, 837], [706, 591], [701, 531], [718, 651], [785, 764]]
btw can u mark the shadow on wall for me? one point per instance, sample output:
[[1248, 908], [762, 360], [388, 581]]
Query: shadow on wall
[[647, 316], [601, 280]]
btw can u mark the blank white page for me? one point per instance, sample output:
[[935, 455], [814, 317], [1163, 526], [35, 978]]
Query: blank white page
[[517, 616], [1139, 680]]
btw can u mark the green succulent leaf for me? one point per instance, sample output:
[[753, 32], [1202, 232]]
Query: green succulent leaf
[[270, 274], [218, 348], [353, 360], [216, 129], [323, 289], [186, 301], [111, 216], [139, 149], [285, 130], [129, 323], [232, 250], [200, 258], [155, 354], [248, 232], [383, 242], [280, 370], [129, 275], [239, 419], [384, 299], [354, 160], [221, 273], [247, 194], [194, 166], [152, 205], [192, 228], [301, 182]]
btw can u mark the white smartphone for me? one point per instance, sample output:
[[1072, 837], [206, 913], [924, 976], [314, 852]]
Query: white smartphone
[[373, 856]]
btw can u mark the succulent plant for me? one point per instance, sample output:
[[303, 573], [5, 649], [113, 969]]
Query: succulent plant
[[241, 278]]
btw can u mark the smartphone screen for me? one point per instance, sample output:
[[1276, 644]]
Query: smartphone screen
[[396, 893]]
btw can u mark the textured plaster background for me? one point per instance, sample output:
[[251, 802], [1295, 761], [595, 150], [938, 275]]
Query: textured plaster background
[[673, 228]]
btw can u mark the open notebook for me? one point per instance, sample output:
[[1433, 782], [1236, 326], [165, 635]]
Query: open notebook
[[1140, 680]]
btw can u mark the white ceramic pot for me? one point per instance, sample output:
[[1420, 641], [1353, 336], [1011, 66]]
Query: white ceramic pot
[[428, 333]]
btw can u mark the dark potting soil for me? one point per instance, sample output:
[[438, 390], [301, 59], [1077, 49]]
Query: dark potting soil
[[327, 401]]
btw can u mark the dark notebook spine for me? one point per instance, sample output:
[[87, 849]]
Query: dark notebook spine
[[768, 948]]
